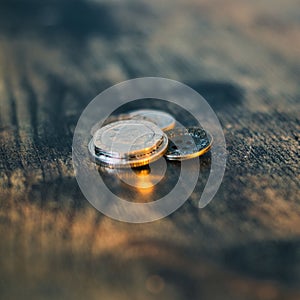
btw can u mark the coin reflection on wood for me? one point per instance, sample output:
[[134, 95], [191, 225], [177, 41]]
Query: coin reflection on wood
[[143, 178], [142, 184]]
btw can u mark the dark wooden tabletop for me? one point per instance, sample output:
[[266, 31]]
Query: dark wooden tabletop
[[243, 57]]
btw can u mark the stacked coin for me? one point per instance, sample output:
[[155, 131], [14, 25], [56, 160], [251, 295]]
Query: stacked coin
[[143, 136]]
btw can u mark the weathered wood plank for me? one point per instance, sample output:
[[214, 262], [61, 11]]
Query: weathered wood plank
[[242, 57]]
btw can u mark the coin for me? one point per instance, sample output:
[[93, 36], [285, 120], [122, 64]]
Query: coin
[[115, 118], [110, 119], [162, 119], [128, 143], [125, 138], [186, 143]]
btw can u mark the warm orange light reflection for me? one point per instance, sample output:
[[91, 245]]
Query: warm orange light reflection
[[144, 182], [145, 186]]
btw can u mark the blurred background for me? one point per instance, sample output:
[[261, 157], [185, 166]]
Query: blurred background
[[242, 56]]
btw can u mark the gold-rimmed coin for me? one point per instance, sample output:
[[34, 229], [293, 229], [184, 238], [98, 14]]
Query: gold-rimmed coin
[[186, 143]]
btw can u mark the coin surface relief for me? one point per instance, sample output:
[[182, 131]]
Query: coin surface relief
[[128, 143]]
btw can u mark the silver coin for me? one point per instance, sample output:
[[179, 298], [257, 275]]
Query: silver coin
[[126, 138], [128, 143], [115, 118], [110, 119], [186, 143], [137, 161], [162, 119]]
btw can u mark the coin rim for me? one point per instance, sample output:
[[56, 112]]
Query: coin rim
[[113, 162]]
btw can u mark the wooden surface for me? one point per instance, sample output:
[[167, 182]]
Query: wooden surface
[[243, 56]]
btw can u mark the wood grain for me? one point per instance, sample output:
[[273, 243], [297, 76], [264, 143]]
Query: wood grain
[[243, 57]]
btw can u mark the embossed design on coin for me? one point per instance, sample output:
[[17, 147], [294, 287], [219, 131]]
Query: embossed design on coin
[[162, 119], [186, 143], [125, 138], [128, 143]]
